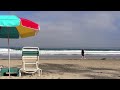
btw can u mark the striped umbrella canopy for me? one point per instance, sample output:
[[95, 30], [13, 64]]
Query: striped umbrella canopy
[[14, 27]]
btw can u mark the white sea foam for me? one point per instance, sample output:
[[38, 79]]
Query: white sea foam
[[4, 51], [70, 52]]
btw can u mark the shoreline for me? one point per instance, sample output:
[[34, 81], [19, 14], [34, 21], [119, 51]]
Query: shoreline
[[66, 57], [102, 58]]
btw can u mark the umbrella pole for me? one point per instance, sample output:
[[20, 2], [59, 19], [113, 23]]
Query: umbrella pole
[[8, 53]]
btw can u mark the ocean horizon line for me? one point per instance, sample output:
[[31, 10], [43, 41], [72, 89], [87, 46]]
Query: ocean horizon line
[[105, 49]]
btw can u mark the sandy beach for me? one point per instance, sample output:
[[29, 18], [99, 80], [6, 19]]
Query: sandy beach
[[71, 69]]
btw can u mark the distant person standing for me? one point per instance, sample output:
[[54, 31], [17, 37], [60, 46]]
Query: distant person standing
[[82, 54]]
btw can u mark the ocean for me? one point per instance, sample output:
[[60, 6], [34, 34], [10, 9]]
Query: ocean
[[16, 53]]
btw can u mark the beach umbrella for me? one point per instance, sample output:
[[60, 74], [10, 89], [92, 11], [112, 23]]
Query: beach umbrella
[[14, 27]]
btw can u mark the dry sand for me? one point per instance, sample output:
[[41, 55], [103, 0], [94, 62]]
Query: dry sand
[[71, 69]]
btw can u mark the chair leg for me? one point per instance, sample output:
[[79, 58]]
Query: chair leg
[[39, 72], [19, 73]]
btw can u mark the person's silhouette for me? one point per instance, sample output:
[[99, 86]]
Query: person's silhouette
[[82, 54]]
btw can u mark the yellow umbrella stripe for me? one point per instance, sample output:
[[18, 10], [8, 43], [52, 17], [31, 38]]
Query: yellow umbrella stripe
[[25, 31]]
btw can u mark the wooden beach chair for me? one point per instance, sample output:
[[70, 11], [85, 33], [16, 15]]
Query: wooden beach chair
[[30, 61]]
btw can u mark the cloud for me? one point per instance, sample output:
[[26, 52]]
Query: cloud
[[86, 29], [74, 29]]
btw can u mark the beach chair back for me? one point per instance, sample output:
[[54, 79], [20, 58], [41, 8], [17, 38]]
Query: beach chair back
[[30, 54]]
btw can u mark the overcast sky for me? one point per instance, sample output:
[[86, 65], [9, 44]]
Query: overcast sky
[[70, 29]]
